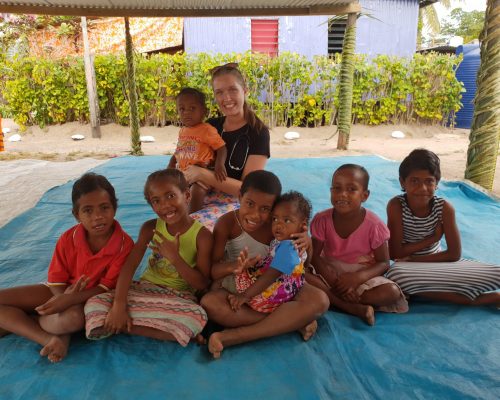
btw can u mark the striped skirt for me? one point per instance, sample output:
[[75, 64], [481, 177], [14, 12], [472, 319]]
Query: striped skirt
[[158, 307], [465, 277]]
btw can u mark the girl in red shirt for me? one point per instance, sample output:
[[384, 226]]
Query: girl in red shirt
[[86, 261]]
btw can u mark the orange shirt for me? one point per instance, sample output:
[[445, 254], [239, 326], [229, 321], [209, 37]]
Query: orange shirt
[[196, 145], [72, 258]]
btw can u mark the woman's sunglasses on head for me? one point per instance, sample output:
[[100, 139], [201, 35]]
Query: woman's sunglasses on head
[[228, 66]]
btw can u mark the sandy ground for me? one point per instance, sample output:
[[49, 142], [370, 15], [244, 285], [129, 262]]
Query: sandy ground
[[45, 158]]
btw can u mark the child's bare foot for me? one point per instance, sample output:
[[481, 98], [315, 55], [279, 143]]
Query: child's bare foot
[[368, 316], [3, 332], [56, 348], [215, 345], [309, 330], [199, 339]]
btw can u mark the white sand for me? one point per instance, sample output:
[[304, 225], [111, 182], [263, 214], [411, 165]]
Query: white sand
[[24, 180]]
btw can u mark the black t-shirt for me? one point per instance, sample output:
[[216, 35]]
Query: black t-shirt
[[240, 144]]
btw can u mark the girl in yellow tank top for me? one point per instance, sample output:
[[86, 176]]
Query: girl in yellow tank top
[[162, 304]]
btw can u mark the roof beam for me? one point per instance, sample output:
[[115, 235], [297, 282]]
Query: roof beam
[[205, 12]]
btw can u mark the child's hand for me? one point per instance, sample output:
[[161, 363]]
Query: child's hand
[[351, 296], [220, 172], [63, 301], [237, 300], [302, 241], [55, 304], [245, 262], [168, 249], [348, 281], [118, 320], [78, 286]]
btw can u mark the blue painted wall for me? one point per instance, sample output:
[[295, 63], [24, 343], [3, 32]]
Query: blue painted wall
[[393, 31], [303, 35], [216, 35]]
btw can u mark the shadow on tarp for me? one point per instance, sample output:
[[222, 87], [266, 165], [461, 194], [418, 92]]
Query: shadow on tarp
[[434, 351]]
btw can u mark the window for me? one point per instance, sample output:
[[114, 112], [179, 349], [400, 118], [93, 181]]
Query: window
[[336, 32], [265, 36]]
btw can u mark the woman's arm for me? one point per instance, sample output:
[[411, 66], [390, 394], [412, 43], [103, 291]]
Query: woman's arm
[[230, 186], [395, 224], [255, 162], [452, 237], [195, 174]]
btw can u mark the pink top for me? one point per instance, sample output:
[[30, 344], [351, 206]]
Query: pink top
[[371, 234]]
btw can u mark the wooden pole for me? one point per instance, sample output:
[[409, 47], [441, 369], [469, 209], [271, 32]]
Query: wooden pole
[[2, 148], [88, 60], [135, 137], [346, 83]]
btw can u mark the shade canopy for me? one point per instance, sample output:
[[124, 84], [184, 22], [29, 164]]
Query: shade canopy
[[185, 8]]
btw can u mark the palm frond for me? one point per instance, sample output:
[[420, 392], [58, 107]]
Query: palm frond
[[346, 84], [484, 137], [430, 18]]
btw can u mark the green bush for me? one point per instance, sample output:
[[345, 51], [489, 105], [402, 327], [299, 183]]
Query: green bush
[[286, 90]]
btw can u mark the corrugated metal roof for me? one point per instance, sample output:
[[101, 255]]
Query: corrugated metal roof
[[186, 8]]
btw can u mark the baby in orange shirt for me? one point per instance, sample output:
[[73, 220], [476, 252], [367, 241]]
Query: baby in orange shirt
[[197, 144]]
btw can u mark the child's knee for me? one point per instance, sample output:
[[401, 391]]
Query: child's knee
[[322, 302], [393, 291], [315, 298], [207, 301], [75, 320], [71, 320], [386, 293], [213, 304]]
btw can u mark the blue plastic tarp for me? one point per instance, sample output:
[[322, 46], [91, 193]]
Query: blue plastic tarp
[[434, 351]]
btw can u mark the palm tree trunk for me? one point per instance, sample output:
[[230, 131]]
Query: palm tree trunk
[[346, 83], [132, 93], [485, 130]]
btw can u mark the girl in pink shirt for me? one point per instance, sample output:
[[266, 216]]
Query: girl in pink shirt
[[350, 250]]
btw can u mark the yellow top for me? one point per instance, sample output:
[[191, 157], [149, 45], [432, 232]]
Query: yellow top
[[160, 270]]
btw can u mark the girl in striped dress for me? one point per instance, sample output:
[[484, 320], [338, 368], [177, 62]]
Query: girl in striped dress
[[417, 220], [162, 304]]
